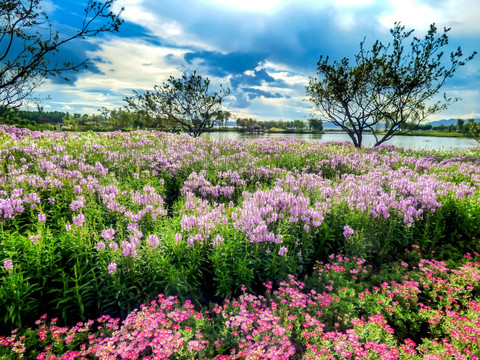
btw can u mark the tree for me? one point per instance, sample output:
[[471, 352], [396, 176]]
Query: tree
[[386, 85], [240, 122], [116, 118], [223, 118], [186, 102], [149, 111], [474, 129], [299, 125], [315, 124], [28, 45]]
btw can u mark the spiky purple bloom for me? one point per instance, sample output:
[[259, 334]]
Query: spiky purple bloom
[[112, 268], [8, 265]]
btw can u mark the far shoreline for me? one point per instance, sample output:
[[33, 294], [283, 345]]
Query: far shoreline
[[334, 131]]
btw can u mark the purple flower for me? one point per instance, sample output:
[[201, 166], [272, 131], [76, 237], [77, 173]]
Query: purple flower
[[218, 239], [100, 245], [8, 265], [79, 220], [126, 248], [34, 238], [113, 246], [77, 204], [178, 237], [153, 241], [347, 232], [42, 217], [283, 250], [108, 234], [112, 268]]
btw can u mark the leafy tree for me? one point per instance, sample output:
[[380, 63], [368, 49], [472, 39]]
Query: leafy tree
[[149, 111], [299, 124], [474, 129], [185, 101], [240, 122], [223, 118], [461, 125], [28, 45], [386, 85], [425, 127], [315, 124]]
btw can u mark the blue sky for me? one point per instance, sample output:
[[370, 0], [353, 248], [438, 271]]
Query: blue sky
[[263, 50]]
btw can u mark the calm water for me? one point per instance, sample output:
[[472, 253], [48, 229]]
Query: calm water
[[407, 142]]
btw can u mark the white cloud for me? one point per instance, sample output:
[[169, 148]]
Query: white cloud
[[132, 64], [410, 13], [125, 65], [48, 6], [141, 13], [250, 5], [461, 15], [466, 108], [284, 73], [194, 25], [352, 2]]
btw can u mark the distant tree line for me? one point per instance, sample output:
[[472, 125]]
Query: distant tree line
[[128, 118], [132, 118], [250, 124]]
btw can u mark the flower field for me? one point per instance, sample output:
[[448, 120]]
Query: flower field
[[237, 238]]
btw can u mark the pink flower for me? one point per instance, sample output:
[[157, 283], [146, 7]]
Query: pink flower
[[218, 239], [42, 217], [113, 246], [34, 238], [8, 265]]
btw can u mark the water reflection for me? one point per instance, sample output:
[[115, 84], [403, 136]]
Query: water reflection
[[407, 142]]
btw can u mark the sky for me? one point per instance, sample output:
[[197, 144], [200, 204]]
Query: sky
[[264, 51]]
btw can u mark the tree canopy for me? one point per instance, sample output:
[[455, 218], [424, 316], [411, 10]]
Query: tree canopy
[[186, 102], [389, 89]]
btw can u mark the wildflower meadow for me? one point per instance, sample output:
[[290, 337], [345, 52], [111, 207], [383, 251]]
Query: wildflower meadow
[[152, 245]]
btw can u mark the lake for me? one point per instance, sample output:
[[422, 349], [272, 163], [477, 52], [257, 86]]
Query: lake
[[407, 142]]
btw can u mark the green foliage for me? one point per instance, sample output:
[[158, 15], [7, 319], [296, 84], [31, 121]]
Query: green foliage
[[474, 129], [315, 124]]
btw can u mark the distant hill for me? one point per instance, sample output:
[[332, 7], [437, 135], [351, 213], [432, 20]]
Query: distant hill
[[446, 122]]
